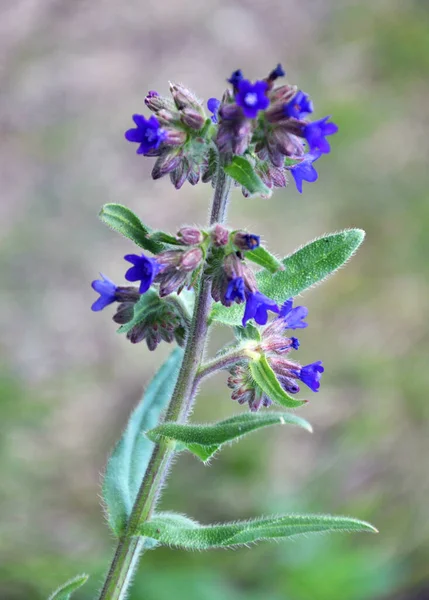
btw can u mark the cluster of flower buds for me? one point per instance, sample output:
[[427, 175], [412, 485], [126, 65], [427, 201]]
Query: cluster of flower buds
[[276, 346], [267, 123], [177, 134]]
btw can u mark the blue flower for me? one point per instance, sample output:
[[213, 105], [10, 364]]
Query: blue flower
[[299, 106], [145, 270], [148, 133], [276, 73], [293, 317], [235, 291], [295, 341], [213, 106], [311, 374], [316, 132], [257, 307], [235, 78], [107, 290], [304, 171], [252, 97]]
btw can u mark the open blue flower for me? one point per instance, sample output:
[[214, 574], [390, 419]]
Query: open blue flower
[[299, 106], [148, 133], [293, 317], [235, 291], [304, 171], [107, 290], [316, 132], [311, 375], [252, 97], [257, 307], [144, 270], [213, 106]]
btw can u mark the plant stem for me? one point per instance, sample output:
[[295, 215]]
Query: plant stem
[[130, 546], [218, 364]]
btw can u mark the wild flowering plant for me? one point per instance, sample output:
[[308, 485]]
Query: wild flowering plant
[[258, 136]]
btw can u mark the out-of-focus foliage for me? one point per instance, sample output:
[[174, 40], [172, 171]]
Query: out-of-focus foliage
[[71, 74]]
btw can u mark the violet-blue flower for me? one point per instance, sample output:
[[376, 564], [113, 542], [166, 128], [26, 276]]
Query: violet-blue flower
[[107, 290], [257, 307], [252, 97], [235, 78], [293, 317], [144, 270], [304, 171], [295, 341], [235, 291], [276, 73], [316, 132], [311, 374], [213, 106], [299, 106], [148, 133]]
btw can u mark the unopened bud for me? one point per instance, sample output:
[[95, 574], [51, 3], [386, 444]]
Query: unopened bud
[[167, 117], [174, 137], [190, 236], [124, 314], [246, 241], [165, 164], [192, 118], [184, 98], [220, 235], [194, 174], [191, 259], [156, 103], [179, 175]]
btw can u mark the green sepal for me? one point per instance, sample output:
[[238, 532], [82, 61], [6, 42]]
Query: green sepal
[[127, 464], [65, 591], [205, 440], [265, 259], [124, 221], [148, 302], [266, 380], [172, 529], [242, 171], [303, 269], [250, 332]]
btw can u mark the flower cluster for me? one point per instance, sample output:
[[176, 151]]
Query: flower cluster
[[270, 125], [276, 346]]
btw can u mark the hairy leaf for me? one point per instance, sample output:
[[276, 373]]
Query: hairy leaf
[[205, 440], [179, 531], [124, 221], [265, 259], [127, 465], [242, 171], [65, 591], [147, 303], [306, 267], [266, 379]]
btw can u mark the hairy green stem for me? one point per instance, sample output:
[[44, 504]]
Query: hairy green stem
[[224, 361], [130, 546]]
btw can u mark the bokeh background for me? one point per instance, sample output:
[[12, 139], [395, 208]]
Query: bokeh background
[[72, 73]]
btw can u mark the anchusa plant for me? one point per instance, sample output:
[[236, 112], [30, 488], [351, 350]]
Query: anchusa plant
[[258, 136]]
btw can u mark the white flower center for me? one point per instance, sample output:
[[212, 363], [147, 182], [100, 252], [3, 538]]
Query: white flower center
[[251, 99]]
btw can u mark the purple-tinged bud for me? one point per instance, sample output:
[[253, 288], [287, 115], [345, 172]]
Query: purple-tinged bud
[[166, 163], [168, 117], [190, 236], [278, 177], [127, 294], [220, 235], [124, 313], [191, 259], [194, 173], [246, 241], [180, 174], [173, 280], [282, 94], [276, 74], [230, 112], [174, 137], [184, 98], [156, 103], [192, 118]]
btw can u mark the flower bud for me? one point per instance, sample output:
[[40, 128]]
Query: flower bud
[[220, 235], [174, 137], [166, 163], [180, 174], [184, 98], [245, 241], [190, 236], [155, 102], [192, 118], [191, 259]]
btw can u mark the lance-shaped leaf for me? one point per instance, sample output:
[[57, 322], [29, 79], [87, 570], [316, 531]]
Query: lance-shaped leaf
[[306, 267], [205, 440], [124, 221], [127, 465], [266, 379], [242, 171], [265, 259], [179, 531], [65, 591]]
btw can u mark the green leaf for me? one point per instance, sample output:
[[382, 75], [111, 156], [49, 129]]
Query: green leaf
[[306, 267], [205, 440], [127, 465], [165, 238], [124, 221], [242, 171], [65, 591], [179, 531], [265, 259], [250, 332], [266, 379], [147, 303]]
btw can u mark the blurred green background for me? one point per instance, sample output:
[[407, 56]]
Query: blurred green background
[[72, 73]]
